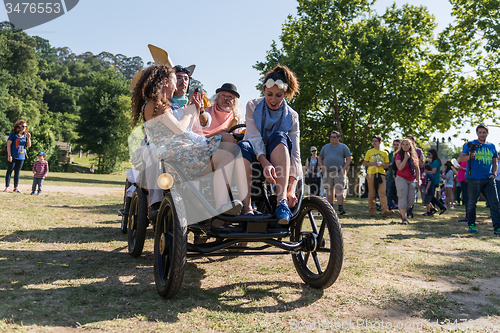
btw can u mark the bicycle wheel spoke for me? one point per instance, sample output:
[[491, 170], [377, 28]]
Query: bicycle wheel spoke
[[306, 258], [316, 262], [313, 222]]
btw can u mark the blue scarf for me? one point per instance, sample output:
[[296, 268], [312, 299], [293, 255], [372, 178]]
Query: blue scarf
[[269, 121]]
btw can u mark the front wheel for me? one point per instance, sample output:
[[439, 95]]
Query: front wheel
[[137, 223], [318, 225], [170, 249]]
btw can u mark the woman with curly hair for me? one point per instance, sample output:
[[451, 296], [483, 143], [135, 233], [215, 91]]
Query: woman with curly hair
[[17, 142], [173, 137], [407, 177], [271, 141]]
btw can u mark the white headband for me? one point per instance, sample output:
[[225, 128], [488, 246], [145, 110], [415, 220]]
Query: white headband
[[282, 85]]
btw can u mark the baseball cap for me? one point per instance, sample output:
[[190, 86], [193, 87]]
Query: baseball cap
[[313, 148], [42, 153]]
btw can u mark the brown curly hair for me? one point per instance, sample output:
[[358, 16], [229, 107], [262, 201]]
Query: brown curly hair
[[149, 87], [286, 75], [18, 125]]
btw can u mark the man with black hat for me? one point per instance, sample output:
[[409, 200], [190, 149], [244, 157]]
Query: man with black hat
[[224, 113]]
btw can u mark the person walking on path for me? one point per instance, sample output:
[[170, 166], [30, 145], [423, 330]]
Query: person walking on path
[[377, 161], [482, 163], [334, 159], [19, 139]]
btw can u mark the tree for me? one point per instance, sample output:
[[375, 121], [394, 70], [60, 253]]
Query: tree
[[361, 74], [105, 119], [471, 46], [23, 89]]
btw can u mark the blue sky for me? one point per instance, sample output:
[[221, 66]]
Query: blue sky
[[223, 38]]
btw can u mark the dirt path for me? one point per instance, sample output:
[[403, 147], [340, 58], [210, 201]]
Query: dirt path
[[85, 190]]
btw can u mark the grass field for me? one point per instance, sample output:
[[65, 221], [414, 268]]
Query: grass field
[[65, 267]]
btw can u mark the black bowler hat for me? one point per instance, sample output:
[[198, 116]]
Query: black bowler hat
[[229, 87]]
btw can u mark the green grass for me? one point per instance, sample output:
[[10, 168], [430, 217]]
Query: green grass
[[64, 264]]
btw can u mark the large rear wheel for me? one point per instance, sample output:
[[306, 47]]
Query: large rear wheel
[[318, 225], [170, 249]]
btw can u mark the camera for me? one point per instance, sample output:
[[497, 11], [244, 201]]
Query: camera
[[473, 146]]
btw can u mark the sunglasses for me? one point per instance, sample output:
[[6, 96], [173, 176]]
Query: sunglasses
[[181, 69]]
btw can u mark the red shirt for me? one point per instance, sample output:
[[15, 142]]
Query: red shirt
[[406, 172]]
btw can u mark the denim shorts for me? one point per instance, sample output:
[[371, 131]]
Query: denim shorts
[[274, 140]]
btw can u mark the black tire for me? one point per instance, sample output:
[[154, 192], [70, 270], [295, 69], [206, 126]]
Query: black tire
[[321, 267], [125, 209], [137, 223], [170, 249]]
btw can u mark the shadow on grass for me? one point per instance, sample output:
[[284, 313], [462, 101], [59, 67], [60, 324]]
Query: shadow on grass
[[79, 287], [99, 209], [78, 235], [55, 180]]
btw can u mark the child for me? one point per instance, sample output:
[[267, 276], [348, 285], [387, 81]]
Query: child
[[40, 171], [429, 189]]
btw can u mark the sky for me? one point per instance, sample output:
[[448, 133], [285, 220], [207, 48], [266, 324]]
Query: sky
[[223, 38]]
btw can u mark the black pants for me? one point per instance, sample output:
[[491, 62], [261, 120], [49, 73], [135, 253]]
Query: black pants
[[437, 203], [315, 187]]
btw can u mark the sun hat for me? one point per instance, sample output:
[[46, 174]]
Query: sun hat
[[313, 148], [161, 57], [229, 87]]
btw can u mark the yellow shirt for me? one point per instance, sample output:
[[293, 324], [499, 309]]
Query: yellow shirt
[[374, 155]]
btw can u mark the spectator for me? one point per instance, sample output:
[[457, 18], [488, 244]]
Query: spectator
[[463, 185], [482, 158], [436, 170], [377, 160], [407, 177], [40, 171], [430, 189], [313, 172], [19, 139], [334, 159], [392, 197], [449, 174]]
